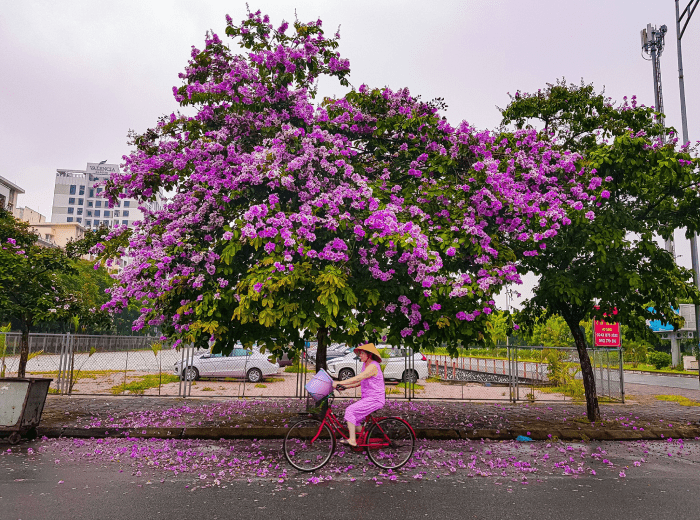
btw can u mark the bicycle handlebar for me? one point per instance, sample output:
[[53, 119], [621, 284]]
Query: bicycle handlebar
[[341, 387]]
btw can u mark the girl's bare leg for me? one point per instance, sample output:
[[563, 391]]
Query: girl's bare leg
[[352, 439]]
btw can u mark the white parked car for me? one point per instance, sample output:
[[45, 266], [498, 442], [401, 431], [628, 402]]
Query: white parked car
[[254, 366], [396, 367]]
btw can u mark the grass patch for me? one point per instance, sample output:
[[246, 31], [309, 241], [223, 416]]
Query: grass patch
[[683, 401], [207, 389], [574, 390], [274, 379], [143, 383], [651, 368], [400, 388], [433, 379], [260, 385], [83, 374], [295, 369], [54, 391]]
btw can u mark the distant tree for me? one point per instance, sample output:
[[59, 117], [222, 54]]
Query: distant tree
[[649, 187], [30, 287], [553, 332]]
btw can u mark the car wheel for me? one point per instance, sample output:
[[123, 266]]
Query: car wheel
[[410, 376], [345, 373], [191, 374], [255, 375]]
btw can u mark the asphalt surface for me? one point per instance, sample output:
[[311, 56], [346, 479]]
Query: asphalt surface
[[690, 383], [37, 487]]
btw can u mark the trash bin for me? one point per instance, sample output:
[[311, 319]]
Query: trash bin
[[21, 404]]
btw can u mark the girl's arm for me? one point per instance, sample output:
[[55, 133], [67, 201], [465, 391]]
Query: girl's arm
[[352, 382]]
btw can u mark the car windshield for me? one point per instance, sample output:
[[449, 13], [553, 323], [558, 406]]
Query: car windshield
[[400, 352]]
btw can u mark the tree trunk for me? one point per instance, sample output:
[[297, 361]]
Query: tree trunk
[[23, 352], [322, 339], [592, 409]]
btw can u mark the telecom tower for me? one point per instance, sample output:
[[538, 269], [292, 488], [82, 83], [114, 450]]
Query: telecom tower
[[653, 46]]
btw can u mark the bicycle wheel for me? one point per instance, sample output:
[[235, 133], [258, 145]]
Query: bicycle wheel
[[308, 445], [391, 443]]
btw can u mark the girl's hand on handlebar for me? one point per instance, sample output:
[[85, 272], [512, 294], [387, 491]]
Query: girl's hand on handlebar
[[339, 387]]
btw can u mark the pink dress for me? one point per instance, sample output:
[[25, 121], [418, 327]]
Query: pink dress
[[373, 397]]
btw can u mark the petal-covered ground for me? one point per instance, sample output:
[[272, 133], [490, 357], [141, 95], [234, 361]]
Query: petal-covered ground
[[197, 463], [128, 412]]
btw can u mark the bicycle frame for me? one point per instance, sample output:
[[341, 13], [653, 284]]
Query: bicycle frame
[[337, 427]]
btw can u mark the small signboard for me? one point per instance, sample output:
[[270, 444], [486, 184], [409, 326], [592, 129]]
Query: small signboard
[[606, 334]]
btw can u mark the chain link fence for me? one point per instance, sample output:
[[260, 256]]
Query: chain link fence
[[139, 365], [526, 373]]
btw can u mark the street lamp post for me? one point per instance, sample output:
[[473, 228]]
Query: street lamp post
[[684, 18]]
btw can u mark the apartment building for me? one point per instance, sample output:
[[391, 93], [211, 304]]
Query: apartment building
[[8, 195], [79, 198]]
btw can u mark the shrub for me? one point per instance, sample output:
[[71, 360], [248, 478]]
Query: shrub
[[659, 359], [636, 352]]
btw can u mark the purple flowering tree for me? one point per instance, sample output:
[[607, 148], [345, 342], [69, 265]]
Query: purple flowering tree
[[288, 220]]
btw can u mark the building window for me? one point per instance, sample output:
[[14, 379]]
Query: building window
[[125, 222], [127, 203], [78, 220], [99, 190], [125, 213], [72, 189], [70, 211], [80, 211], [92, 192], [71, 200], [105, 222], [80, 202], [89, 204], [88, 223], [89, 213], [98, 203], [105, 213], [81, 190], [116, 212], [97, 212], [69, 219]]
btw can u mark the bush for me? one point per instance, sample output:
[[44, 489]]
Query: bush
[[659, 359], [636, 352]]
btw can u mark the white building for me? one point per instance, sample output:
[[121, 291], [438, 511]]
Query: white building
[[8, 195], [77, 199]]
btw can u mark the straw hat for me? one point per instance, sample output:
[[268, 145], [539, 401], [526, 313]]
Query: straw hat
[[371, 349]]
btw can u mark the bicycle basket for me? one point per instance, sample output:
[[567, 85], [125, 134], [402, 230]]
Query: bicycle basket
[[319, 408], [320, 385]]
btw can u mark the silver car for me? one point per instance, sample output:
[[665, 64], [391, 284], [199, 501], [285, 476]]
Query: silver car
[[395, 367], [239, 363]]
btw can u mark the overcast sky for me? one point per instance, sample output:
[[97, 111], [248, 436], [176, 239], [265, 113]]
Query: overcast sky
[[77, 75]]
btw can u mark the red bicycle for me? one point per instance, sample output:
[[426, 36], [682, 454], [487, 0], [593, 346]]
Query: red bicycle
[[310, 443]]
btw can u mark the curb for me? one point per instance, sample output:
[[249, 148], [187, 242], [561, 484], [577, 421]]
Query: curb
[[671, 374], [216, 433]]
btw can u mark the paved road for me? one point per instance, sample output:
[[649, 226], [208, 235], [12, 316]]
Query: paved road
[[78, 486], [690, 383]]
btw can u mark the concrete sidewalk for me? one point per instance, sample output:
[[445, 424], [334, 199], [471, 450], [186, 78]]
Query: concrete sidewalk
[[85, 417]]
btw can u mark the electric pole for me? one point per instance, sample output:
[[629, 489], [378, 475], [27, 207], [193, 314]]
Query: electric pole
[[684, 18]]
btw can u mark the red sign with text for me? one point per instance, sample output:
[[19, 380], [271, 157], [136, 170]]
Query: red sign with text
[[606, 334]]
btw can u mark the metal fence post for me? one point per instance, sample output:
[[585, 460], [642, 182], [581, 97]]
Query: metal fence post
[[622, 377], [59, 375]]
